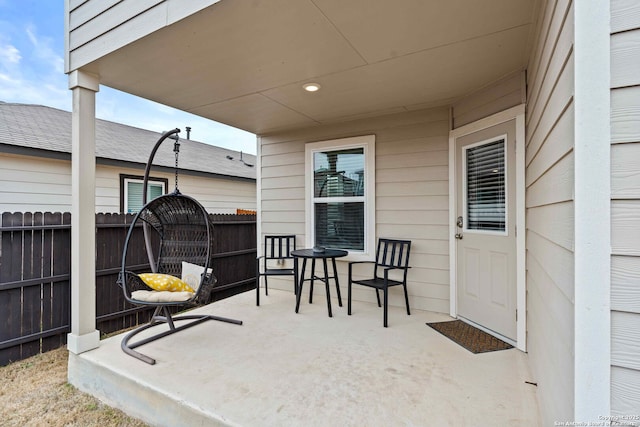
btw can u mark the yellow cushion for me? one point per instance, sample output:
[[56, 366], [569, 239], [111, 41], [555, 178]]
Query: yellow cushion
[[165, 282]]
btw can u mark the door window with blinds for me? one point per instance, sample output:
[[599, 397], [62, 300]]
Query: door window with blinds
[[132, 192], [485, 187], [341, 193]]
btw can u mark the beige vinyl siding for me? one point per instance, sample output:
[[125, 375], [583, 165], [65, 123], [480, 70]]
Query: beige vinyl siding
[[29, 184], [624, 390], [104, 14], [411, 195], [216, 195], [625, 115], [550, 211], [219, 196], [498, 96], [33, 184], [625, 207], [115, 23]]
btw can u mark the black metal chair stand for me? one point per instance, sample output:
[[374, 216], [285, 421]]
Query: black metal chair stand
[[178, 238], [158, 319], [390, 255], [277, 256]]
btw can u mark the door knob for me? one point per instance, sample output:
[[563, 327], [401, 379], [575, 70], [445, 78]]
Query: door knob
[[458, 236]]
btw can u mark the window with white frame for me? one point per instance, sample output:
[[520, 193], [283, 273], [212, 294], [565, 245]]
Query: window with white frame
[[340, 194], [131, 190], [485, 186]]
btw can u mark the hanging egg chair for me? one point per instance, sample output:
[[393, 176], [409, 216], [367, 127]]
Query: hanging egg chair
[[178, 239]]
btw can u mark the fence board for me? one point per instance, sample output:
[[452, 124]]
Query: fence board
[[60, 296], [234, 233], [106, 299], [31, 309], [10, 303], [61, 290], [111, 233], [48, 343]]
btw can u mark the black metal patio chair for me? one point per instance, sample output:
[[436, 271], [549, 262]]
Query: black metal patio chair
[[276, 261], [390, 255], [178, 240]]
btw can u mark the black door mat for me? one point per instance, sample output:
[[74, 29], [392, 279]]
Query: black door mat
[[469, 337]]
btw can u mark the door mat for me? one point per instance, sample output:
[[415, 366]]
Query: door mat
[[469, 337]]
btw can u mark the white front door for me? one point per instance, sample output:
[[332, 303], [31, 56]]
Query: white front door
[[486, 228]]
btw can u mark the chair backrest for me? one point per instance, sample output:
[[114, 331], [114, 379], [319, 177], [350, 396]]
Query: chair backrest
[[184, 232], [393, 253], [279, 247]]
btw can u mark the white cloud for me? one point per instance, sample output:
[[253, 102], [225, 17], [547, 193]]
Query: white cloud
[[32, 74], [42, 50], [17, 85], [9, 54]]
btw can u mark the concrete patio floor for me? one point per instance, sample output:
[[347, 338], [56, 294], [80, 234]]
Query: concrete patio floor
[[286, 369]]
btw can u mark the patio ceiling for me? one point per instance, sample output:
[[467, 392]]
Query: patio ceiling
[[243, 63]]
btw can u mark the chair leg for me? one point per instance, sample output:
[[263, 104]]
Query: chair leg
[[295, 277], [349, 297], [378, 297], [386, 304], [258, 283], [406, 298], [258, 275], [266, 286]]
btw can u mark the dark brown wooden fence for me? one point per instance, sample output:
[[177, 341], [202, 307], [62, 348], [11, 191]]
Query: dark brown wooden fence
[[35, 265]]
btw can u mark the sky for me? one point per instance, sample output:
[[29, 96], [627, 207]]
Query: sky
[[32, 72]]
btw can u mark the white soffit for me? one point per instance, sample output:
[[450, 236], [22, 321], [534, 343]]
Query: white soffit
[[255, 111], [438, 73], [382, 30], [244, 63]]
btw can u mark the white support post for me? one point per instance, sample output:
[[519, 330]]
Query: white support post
[[83, 336], [592, 153]]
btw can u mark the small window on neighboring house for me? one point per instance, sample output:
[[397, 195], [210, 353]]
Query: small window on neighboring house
[[131, 192], [341, 194]]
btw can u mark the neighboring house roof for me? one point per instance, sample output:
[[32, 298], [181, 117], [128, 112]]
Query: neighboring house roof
[[36, 127]]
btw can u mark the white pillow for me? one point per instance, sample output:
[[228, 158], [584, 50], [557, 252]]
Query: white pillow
[[161, 296], [192, 274]]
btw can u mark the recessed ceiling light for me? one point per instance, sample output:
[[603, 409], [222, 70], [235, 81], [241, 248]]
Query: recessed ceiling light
[[311, 87]]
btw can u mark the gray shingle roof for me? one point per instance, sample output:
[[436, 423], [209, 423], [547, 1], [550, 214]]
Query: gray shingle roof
[[46, 128]]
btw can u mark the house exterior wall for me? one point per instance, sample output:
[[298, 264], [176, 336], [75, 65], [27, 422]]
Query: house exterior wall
[[494, 98], [411, 195], [32, 184], [625, 204], [550, 211], [115, 23]]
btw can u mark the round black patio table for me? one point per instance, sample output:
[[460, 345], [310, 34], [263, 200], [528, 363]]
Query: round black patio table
[[306, 254]]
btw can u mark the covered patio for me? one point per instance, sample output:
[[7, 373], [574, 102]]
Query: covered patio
[[286, 369], [418, 85]]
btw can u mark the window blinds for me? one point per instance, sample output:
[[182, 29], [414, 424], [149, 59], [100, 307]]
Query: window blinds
[[339, 198], [134, 195], [486, 187]]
